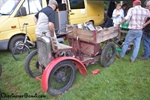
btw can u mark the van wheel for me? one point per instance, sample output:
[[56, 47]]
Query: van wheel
[[92, 21], [15, 40]]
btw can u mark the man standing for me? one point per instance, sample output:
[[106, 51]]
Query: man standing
[[45, 18], [146, 37], [136, 16]]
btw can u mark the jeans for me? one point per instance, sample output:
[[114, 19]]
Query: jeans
[[146, 45], [133, 35]]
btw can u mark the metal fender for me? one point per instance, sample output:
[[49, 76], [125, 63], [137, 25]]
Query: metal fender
[[52, 64]]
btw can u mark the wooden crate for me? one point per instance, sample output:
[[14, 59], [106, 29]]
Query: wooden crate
[[94, 36]]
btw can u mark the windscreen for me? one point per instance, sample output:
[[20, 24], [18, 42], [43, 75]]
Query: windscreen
[[8, 7]]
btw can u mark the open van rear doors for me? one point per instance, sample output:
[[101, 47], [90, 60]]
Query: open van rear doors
[[81, 11], [77, 11]]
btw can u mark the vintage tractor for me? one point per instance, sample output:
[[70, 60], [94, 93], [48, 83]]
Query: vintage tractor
[[55, 64]]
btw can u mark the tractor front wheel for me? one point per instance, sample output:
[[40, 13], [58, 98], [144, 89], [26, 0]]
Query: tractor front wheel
[[61, 78]]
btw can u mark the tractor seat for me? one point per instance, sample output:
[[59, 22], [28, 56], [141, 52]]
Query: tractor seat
[[63, 46], [56, 46]]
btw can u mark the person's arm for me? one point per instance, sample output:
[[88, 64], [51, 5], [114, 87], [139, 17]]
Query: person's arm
[[35, 20], [148, 22], [114, 15], [51, 27], [51, 23], [124, 20], [127, 17]]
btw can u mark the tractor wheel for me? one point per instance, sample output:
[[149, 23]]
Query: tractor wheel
[[32, 65], [108, 55], [92, 21], [61, 78]]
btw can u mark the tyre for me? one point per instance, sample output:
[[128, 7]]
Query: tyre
[[20, 52], [15, 40], [61, 78], [32, 65], [108, 55], [92, 21]]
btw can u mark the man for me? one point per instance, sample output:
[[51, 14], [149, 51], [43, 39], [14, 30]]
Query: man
[[136, 16], [45, 18], [146, 37]]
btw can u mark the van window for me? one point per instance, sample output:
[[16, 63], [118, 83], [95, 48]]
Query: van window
[[77, 4], [9, 6], [33, 7]]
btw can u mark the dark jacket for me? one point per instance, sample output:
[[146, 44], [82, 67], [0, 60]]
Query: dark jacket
[[146, 29], [111, 7]]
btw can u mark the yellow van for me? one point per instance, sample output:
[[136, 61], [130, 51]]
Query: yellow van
[[16, 12], [81, 11]]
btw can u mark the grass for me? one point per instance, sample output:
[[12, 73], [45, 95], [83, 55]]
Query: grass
[[121, 81]]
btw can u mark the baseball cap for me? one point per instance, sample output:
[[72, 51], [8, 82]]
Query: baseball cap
[[135, 2], [54, 2]]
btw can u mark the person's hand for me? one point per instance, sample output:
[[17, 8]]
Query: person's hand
[[122, 17], [120, 23], [54, 43], [118, 15]]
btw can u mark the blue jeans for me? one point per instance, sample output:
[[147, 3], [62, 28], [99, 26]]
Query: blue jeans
[[146, 45], [133, 35]]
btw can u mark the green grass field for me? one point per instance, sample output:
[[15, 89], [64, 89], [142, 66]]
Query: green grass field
[[121, 81]]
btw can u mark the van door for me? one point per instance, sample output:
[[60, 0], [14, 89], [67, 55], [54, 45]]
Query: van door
[[77, 12], [32, 7]]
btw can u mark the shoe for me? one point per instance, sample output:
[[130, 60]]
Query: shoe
[[118, 56], [132, 61], [142, 55], [143, 58]]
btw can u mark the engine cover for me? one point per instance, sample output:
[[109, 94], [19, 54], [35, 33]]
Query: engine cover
[[44, 50]]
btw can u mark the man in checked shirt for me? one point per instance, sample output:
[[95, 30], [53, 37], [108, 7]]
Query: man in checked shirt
[[136, 16]]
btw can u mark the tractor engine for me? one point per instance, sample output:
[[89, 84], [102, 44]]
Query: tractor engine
[[44, 50]]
